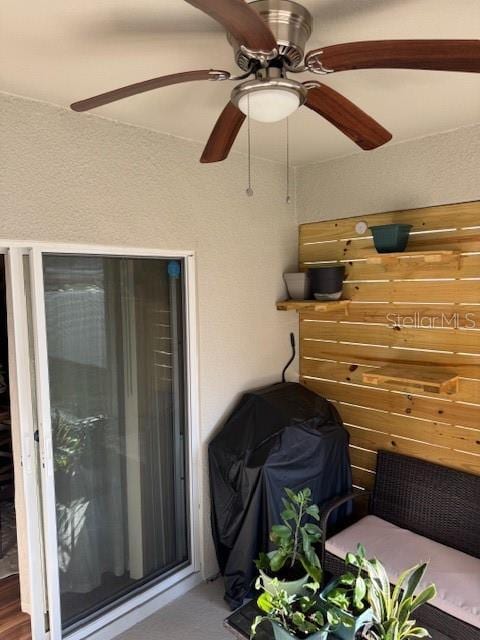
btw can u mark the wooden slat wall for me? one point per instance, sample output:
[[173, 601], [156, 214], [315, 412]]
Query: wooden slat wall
[[336, 349]]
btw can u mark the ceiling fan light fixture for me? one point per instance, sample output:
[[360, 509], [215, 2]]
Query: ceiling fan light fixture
[[269, 100], [269, 105]]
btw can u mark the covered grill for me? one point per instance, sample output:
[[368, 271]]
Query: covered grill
[[280, 436]]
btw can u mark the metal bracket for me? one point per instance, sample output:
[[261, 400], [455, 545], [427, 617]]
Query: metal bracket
[[312, 84], [315, 65], [300, 69], [216, 75], [263, 57]]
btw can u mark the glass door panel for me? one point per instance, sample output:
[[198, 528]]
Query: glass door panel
[[115, 332]]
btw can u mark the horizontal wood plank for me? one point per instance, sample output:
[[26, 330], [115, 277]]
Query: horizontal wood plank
[[313, 306], [455, 340], [441, 455], [451, 436], [443, 291], [410, 315], [465, 365], [435, 410], [468, 267], [461, 215]]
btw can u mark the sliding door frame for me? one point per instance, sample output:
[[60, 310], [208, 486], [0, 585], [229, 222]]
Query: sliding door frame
[[36, 252], [23, 429]]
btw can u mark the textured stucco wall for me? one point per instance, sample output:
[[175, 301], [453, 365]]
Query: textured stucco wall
[[438, 169], [76, 178]]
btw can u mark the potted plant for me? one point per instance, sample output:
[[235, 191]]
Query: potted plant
[[327, 281], [298, 285], [390, 238], [350, 595], [393, 607], [292, 616], [294, 560]]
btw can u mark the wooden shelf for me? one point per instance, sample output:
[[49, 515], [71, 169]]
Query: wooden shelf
[[438, 380], [427, 256], [313, 305]]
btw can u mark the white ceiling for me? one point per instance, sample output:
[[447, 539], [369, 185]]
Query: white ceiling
[[65, 50]]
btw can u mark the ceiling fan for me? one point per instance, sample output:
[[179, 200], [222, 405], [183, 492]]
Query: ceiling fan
[[268, 38]]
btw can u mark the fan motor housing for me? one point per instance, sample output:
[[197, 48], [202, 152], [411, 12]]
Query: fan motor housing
[[291, 25]]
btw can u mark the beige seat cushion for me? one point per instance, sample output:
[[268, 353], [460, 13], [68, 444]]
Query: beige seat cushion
[[455, 574]]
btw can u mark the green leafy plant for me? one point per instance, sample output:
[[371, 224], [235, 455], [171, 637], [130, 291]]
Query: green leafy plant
[[393, 607], [70, 437], [351, 590], [295, 539], [299, 615]]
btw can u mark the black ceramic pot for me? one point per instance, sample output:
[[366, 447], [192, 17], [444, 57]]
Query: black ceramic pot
[[327, 281]]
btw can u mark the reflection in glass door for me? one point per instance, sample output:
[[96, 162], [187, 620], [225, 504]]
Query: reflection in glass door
[[115, 331]]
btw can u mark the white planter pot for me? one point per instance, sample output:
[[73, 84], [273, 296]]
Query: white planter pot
[[298, 285]]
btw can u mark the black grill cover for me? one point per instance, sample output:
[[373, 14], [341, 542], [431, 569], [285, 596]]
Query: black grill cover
[[280, 436]]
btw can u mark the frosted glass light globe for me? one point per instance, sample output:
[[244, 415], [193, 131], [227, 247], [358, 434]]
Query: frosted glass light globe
[[269, 105]]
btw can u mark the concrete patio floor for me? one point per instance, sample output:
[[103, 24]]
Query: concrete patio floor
[[198, 615]]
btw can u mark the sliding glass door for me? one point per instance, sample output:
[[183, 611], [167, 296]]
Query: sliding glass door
[[114, 403]]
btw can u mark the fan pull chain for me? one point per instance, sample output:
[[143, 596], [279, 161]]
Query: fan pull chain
[[249, 190], [288, 199]]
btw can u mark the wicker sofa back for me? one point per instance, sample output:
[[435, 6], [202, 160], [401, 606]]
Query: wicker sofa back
[[437, 502]]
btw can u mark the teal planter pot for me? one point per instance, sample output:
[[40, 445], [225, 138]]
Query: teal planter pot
[[281, 634], [343, 632], [390, 238]]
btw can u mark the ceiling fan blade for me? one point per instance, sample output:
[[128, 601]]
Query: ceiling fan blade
[[242, 21], [435, 55], [148, 85], [223, 135], [347, 117]]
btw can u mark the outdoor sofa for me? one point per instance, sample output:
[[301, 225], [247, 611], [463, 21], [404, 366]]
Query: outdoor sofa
[[420, 511]]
